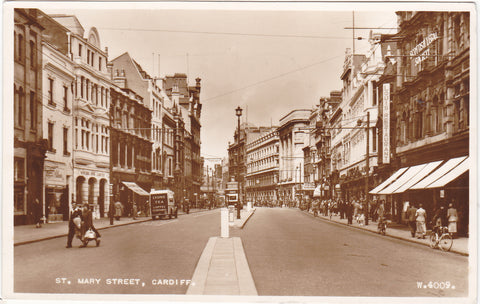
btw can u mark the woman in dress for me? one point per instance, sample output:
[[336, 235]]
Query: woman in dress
[[420, 217]]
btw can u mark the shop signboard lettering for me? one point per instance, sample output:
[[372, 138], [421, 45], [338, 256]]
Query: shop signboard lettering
[[386, 124], [421, 51]]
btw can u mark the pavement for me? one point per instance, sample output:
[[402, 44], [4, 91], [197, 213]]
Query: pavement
[[223, 268], [26, 234], [399, 231]]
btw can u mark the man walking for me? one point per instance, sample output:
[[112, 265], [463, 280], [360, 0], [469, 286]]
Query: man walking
[[412, 222], [349, 210], [76, 212]]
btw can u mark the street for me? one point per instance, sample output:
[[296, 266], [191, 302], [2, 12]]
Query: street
[[291, 253], [156, 250]]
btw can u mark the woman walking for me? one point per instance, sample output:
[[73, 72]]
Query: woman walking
[[420, 217], [452, 217]]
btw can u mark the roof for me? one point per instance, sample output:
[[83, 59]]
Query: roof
[[71, 22]]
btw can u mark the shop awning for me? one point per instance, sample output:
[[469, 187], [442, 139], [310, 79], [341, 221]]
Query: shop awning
[[444, 169], [451, 175], [136, 188], [405, 177], [317, 192], [418, 177], [389, 180]]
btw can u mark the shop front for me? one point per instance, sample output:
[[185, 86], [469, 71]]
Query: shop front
[[433, 184], [57, 192]]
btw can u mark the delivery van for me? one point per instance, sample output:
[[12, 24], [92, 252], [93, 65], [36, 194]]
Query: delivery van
[[162, 204]]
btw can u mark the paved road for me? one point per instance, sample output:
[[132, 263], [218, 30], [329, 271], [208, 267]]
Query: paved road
[[292, 253], [155, 250]]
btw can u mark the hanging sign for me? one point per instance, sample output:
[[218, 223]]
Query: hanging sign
[[386, 124]]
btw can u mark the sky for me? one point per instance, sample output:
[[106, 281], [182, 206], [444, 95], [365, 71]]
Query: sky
[[268, 61]]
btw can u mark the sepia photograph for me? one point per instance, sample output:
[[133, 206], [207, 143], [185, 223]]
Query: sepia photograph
[[270, 152]]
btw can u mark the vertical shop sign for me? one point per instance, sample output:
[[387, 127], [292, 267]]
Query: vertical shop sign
[[386, 123]]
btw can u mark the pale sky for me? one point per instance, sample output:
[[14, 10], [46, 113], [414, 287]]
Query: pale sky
[[245, 58]]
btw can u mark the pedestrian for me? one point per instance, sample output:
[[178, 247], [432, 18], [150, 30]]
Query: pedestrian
[[135, 211], [75, 217], [452, 216], [381, 213], [118, 210], [88, 224], [349, 212], [411, 217], [37, 213], [420, 218]]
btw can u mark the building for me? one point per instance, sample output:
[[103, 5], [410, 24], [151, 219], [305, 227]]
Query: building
[[262, 168], [29, 145], [150, 90], [90, 110], [58, 85], [237, 163], [317, 149], [292, 131], [431, 99], [188, 109], [131, 146]]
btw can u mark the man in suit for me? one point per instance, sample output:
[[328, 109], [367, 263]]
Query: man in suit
[[76, 212]]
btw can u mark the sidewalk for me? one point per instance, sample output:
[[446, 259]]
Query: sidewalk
[[223, 268], [25, 234], [399, 231]]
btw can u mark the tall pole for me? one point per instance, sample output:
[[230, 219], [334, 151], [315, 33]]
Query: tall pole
[[238, 112], [367, 164], [238, 170]]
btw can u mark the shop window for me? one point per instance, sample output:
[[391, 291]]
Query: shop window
[[19, 199], [19, 169]]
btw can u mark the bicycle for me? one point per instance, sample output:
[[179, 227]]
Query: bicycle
[[444, 241], [382, 227]]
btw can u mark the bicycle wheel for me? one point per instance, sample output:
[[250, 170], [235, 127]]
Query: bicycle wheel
[[445, 242], [433, 240]]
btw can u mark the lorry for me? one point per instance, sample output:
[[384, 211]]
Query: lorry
[[162, 204]]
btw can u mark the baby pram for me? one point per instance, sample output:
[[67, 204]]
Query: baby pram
[[89, 235]]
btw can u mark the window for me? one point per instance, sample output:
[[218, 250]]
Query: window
[[87, 141], [65, 99], [93, 59], [33, 112], [87, 86], [170, 167], [32, 54], [20, 47], [50, 137], [88, 56], [21, 107], [374, 139], [100, 63], [80, 50], [82, 82], [65, 142], [50, 92]]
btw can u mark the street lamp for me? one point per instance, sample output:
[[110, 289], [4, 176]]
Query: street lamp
[[238, 113]]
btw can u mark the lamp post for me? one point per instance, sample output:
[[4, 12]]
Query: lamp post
[[238, 113]]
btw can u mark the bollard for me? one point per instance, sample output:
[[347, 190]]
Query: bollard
[[224, 223]]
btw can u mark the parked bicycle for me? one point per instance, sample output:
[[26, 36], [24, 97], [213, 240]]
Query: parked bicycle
[[441, 238]]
